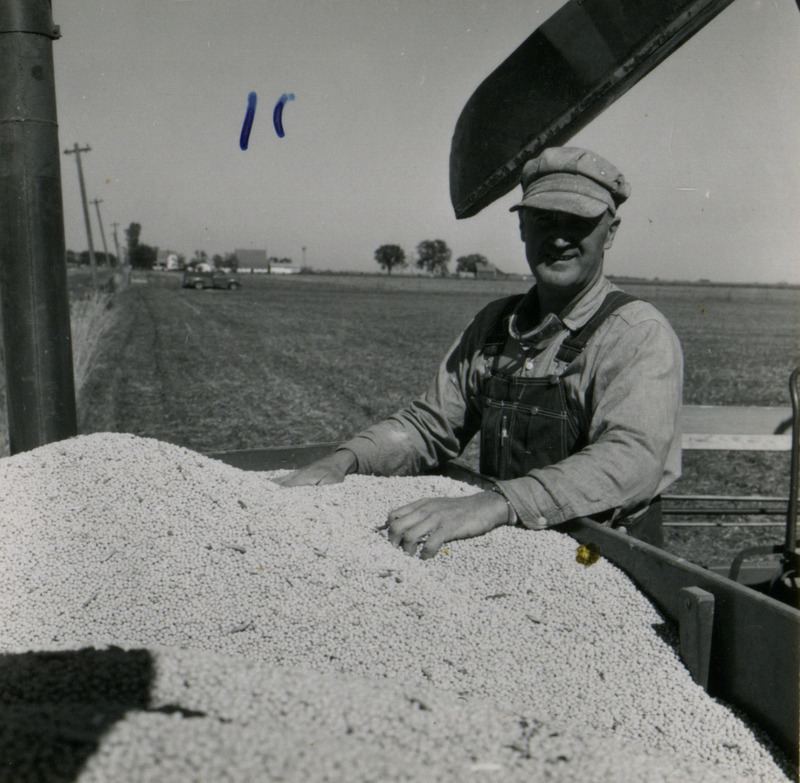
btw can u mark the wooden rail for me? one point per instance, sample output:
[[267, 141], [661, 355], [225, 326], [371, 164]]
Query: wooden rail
[[736, 428], [731, 428]]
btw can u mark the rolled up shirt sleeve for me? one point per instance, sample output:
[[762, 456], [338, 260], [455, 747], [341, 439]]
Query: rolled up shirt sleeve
[[632, 386], [437, 426]]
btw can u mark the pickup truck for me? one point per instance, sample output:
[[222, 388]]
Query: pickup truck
[[216, 279]]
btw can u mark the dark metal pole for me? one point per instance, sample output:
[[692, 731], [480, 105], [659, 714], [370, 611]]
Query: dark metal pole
[[34, 302], [794, 482]]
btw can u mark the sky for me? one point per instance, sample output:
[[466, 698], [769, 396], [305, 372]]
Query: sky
[[159, 89]]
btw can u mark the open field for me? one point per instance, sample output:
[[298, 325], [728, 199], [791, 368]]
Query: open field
[[315, 358]]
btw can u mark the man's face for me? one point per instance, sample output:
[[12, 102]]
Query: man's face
[[564, 251]]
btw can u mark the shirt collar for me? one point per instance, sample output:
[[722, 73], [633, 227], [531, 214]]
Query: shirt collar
[[582, 308], [572, 317]]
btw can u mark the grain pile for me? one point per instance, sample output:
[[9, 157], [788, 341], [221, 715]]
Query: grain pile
[[205, 717], [532, 662]]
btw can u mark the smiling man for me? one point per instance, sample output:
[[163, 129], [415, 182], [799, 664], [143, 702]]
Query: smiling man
[[574, 386]]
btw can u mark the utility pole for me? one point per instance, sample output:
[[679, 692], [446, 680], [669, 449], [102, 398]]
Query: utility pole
[[77, 150], [116, 244], [97, 202], [40, 386], [304, 257]]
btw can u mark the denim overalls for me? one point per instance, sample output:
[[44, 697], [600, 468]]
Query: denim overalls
[[527, 423]]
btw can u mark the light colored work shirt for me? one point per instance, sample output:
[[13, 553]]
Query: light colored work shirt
[[625, 386]]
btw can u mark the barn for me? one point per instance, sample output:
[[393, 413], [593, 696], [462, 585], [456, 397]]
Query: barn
[[252, 260], [256, 261]]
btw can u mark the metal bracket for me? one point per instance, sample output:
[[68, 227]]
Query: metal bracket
[[696, 619]]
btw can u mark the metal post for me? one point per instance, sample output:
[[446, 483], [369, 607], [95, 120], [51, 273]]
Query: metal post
[[97, 202], [77, 150], [794, 476], [33, 273]]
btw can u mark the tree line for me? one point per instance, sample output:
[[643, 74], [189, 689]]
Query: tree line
[[432, 256], [142, 256]]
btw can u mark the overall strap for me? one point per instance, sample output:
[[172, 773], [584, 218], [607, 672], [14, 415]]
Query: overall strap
[[573, 345]]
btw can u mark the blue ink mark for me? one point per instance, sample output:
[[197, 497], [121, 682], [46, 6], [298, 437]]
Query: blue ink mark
[[277, 114], [244, 138]]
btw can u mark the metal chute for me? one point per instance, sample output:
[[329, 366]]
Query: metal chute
[[560, 78]]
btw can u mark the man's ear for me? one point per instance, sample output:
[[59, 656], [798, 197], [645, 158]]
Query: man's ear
[[612, 231]]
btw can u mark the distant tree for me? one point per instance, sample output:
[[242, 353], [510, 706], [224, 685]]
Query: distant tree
[[142, 257], [73, 257], [433, 255], [232, 262], [470, 263], [217, 261], [132, 232], [390, 256]]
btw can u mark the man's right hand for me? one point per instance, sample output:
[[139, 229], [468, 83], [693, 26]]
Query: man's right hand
[[328, 470]]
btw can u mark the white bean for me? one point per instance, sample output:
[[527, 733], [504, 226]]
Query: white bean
[[111, 539]]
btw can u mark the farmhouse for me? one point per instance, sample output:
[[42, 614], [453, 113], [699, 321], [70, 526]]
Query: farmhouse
[[282, 266], [167, 260], [484, 270]]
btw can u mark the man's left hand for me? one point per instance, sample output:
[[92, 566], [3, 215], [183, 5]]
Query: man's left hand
[[435, 521]]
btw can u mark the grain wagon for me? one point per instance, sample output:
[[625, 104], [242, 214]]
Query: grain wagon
[[739, 636], [739, 627], [740, 630]]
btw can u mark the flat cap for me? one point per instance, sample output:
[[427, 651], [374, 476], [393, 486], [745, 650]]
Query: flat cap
[[574, 180]]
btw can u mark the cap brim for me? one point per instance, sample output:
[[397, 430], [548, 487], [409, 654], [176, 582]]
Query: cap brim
[[562, 192], [572, 203]]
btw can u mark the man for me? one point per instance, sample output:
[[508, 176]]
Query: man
[[574, 386]]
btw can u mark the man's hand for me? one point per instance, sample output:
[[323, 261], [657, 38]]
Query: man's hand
[[328, 470], [444, 519]]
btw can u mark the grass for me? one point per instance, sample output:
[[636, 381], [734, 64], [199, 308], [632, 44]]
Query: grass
[[91, 316], [286, 361], [279, 362]]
